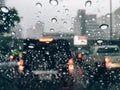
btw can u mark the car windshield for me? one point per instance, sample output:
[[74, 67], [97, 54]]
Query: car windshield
[[50, 44]]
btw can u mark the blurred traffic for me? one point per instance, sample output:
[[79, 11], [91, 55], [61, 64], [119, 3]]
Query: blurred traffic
[[59, 45], [54, 62]]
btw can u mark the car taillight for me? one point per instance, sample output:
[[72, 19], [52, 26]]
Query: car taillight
[[80, 56], [20, 68], [21, 62], [21, 65], [71, 65], [71, 61], [107, 62], [11, 57]]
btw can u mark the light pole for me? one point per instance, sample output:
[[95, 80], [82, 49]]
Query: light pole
[[111, 20]]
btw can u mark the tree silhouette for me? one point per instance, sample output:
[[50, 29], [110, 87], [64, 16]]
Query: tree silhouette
[[8, 19]]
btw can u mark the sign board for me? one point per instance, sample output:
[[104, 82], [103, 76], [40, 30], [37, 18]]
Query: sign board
[[80, 40]]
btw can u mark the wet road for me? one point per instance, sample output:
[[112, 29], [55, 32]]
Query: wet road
[[86, 77]]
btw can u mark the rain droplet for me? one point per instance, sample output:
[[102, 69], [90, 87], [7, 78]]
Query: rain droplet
[[54, 20], [58, 10], [104, 26], [33, 27], [64, 22], [98, 10], [88, 3], [53, 2], [98, 32], [108, 15], [51, 29], [38, 4], [20, 29], [4, 9], [61, 35], [89, 34], [100, 41], [72, 23], [39, 12], [47, 52], [31, 46], [13, 33], [72, 18], [86, 21], [80, 16], [71, 29], [38, 21], [4, 19], [5, 28], [66, 10], [93, 19]]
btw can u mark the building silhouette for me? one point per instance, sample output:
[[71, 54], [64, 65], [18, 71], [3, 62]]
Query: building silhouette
[[87, 25], [105, 19], [116, 24], [79, 23], [93, 30], [35, 32]]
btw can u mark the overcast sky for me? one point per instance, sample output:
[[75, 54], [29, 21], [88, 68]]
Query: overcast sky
[[64, 11]]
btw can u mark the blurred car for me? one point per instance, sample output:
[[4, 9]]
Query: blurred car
[[105, 64], [48, 58], [98, 53]]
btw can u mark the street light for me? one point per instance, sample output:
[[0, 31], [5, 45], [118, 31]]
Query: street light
[[111, 20]]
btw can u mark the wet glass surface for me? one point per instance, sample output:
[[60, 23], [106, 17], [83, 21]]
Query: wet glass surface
[[52, 44]]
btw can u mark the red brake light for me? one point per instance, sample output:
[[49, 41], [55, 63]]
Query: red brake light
[[21, 62], [11, 57], [20, 68], [70, 61], [107, 60], [80, 56], [71, 65]]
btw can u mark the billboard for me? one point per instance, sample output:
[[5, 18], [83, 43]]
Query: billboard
[[80, 40]]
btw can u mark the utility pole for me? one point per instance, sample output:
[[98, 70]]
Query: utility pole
[[111, 31]]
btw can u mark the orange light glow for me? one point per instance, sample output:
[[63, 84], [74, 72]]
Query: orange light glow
[[71, 65], [20, 68], [21, 62], [71, 61], [107, 62], [71, 69], [46, 39], [11, 57], [80, 56]]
